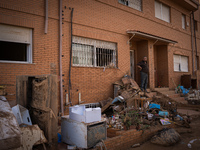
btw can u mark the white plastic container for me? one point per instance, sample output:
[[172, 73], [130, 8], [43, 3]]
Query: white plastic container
[[86, 115], [21, 114]]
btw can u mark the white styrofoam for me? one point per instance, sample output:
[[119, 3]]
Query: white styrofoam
[[21, 114], [92, 114], [82, 114]]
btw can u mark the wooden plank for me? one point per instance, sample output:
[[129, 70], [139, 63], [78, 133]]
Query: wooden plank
[[21, 90]]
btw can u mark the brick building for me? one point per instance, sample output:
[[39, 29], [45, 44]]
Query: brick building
[[109, 38]]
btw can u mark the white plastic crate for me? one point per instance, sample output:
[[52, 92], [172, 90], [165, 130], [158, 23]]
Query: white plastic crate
[[21, 114]]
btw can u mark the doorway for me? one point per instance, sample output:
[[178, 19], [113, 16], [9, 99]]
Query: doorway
[[161, 65]]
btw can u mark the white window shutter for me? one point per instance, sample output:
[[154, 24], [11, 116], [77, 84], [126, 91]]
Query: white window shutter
[[183, 21], [176, 63], [165, 13], [184, 64], [158, 10]]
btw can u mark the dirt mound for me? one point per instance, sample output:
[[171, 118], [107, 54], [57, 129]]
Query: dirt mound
[[166, 137]]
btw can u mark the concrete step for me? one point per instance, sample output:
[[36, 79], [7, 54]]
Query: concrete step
[[153, 93], [174, 95], [180, 100], [171, 92], [161, 89]]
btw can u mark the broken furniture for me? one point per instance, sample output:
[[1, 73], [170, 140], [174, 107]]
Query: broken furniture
[[39, 95], [10, 134], [2, 90], [187, 81], [83, 135]]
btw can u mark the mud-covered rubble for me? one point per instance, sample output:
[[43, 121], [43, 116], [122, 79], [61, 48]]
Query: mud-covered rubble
[[133, 109]]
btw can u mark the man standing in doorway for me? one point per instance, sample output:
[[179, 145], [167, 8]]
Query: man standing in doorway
[[144, 71]]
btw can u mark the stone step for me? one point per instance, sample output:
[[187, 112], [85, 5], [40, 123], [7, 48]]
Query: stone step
[[153, 93], [174, 96], [180, 100], [161, 89], [168, 92]]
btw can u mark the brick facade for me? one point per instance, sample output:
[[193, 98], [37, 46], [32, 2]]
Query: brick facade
[[101, 20]]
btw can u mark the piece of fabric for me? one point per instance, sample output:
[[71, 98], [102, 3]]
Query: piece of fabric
[[152, 105], [184, 90]]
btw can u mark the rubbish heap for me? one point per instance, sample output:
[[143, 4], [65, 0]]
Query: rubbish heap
[[194, 97], [133, 109]]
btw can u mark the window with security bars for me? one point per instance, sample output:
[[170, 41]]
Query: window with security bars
[[136, 4], [162, 11], [180, 63], [93, 53]]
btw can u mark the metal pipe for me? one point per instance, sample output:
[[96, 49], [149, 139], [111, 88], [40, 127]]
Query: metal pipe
[[46, 17], [70, 62], [60, 59], [195, 39], [192, 44]]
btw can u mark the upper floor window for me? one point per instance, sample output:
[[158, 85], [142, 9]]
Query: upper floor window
[[16, 44], [162, 11], [136, 4], [183, 21], [93, 53]]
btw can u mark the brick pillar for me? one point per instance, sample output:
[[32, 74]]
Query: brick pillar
[[151, 64]]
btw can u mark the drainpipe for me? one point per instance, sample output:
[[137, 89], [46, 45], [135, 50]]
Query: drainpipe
[[70, 62], [46, 17], [195, 39], [192, 44], [60, 59]]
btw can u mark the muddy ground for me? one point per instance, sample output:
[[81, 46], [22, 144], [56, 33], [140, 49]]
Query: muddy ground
[[187, 134]]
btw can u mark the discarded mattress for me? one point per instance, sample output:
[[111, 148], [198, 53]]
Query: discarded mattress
[[10, 134]]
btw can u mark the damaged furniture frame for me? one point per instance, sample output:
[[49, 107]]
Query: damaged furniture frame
[[39, 95]]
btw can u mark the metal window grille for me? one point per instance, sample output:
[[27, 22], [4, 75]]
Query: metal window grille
[[94, 53], [82, 54]]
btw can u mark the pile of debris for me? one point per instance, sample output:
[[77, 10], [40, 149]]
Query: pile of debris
[[194, 97], [133, 109]]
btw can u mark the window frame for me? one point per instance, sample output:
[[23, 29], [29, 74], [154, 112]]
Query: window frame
[[161, 11], [183, 16], [28, 49], [94, 53], [126, 3], [180, 63]]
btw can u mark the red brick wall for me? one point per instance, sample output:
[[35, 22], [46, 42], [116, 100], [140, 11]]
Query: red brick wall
[[130, 137], [96, 19]]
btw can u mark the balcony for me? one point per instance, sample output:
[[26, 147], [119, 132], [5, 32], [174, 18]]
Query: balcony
[[191, 5]]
